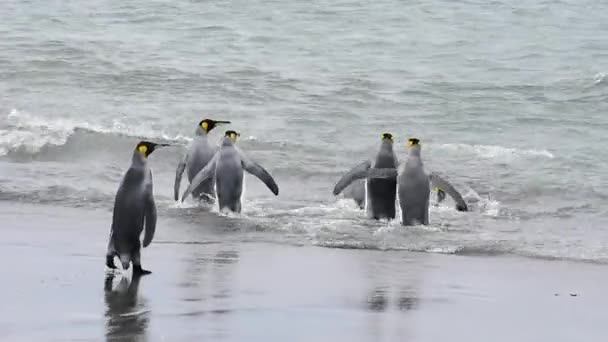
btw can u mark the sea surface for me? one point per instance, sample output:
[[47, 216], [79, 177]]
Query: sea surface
[[508, 98]]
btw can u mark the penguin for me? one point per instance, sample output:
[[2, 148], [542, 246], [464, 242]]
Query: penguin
[[134, 210], [380, 194], [414, 186], [228, 166], [356, 192], [199, 153]]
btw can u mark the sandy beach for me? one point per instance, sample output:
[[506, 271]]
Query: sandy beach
[[56, 289]]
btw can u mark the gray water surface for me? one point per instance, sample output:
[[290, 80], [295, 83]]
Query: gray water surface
[[509, 100]]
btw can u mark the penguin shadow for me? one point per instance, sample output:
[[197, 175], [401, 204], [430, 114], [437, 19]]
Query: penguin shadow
[[126, 315]]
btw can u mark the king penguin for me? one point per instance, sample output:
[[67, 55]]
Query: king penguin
[[414, 186], [379, 193], [228, 166], [134, 210], [356, 192], [199, 154]]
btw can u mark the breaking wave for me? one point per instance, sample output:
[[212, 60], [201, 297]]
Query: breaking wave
[[27, 133], [495, 152]]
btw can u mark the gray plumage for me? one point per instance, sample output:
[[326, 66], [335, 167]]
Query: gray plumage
[[356, 192], [198, 155], [134, 211], [228, 166], [380, 194], [414, 187]]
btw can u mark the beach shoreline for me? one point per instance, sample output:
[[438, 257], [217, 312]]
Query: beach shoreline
[[267, 291]]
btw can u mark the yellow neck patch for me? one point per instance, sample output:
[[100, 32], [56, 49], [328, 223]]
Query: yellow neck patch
[[233, 136], [205, 126], [143, 149]]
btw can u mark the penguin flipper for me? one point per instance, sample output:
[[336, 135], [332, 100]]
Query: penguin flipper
[[150, 220], [443, 185], [179, 172], [440, 195], [356, 191], [382, 173], [357, 172], [201, 176], [258, 171]]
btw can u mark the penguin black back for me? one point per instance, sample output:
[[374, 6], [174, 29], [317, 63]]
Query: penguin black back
[[383, 191]]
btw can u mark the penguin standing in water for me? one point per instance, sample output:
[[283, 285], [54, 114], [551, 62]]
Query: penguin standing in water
[[356, 192], [199, 154], [227, 167], [380, 194], [414, 186], [134, 210]]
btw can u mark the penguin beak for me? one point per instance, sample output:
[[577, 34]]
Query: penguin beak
[[157, 146], [222, 122]]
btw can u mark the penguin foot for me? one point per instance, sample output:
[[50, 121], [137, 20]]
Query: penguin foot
[[110, 262], [206, 199], [140, 271], [462, 207]]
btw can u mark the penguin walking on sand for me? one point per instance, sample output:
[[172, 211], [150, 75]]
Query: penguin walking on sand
[[414, 186], [199, 153], [228, 166], [379, 194], [134, 210]]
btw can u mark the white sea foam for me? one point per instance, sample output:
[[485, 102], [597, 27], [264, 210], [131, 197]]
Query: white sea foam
[[22, 130], [497, 152]]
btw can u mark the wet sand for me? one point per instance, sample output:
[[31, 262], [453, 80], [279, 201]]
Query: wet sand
[[214, 287]]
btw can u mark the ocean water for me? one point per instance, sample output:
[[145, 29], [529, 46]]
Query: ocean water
[[508, 98]]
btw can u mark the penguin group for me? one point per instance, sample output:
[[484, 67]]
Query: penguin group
[[215, 173], [387, 180]]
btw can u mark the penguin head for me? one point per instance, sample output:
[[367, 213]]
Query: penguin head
[[208, 124], [232, 135], [414, 146], [145, 148], [387, 136]]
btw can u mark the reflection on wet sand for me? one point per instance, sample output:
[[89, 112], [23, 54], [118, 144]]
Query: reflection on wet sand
[[206, 273], [408, 300], [392, 291], [206, 287], [377, 300], [127, 317]]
